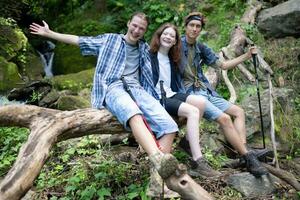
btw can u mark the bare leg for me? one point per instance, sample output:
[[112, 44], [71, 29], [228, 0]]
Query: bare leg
[[231, 134], [239, 121], [198, 102], [166, 142], [192, 114], [142, 135]]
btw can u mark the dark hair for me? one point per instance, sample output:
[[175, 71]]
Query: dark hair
[[174, 52], [141, 15], [194, 16]]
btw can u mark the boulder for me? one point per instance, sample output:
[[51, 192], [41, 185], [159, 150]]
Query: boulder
[[17, 56], [67, 60], [74, 82], [252, 187], [12, 39], [72, 103], [9, 75], [281, 20]]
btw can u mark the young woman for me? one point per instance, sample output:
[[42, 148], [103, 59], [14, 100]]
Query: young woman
[[165, 55]]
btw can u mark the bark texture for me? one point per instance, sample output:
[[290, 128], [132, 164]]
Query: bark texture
[[47, 127]]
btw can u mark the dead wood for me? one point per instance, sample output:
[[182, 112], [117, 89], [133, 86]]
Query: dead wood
[[188, 188], [272, 129], [47, 127], [251, 11], [284, 175], [212, 76]]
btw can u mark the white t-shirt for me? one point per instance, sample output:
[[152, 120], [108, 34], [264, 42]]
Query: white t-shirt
[[164, 74]]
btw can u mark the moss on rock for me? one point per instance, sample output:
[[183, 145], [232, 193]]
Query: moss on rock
[[74, 82], [9, 75], [72, 103], [12, 39], [68, 60]]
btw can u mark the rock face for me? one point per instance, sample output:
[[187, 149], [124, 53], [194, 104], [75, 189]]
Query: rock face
[[250, 105], [18, 62], [8, 75], [281, 20]]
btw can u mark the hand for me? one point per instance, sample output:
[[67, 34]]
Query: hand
[[38, 29], [253, 50]]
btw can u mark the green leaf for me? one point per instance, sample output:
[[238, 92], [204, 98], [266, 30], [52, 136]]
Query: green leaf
[[104, 192]]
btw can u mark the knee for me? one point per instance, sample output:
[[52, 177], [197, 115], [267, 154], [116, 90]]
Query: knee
[[202, 104], [240, 112], [193, 112], [224, 120]]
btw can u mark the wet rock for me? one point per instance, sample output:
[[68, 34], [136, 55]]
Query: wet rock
[[31, 93]]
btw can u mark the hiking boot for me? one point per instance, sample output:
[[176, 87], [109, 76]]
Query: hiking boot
[[200, 168], [253, 165], [261, 154], [165, 164], [154, 188]]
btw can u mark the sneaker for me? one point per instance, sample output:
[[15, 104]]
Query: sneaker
[[253, 165], [154, 188], [201, 168]]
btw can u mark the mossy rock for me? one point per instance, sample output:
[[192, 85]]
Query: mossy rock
[[72, 103], [74, 82], [68, 60], [9, 75], [12, 39]]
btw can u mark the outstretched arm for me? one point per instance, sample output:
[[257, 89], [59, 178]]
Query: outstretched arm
[[228, 64], [44, 31]]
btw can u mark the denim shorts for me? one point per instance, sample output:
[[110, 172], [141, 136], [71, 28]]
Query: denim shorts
[[215, 105], [120, 104]]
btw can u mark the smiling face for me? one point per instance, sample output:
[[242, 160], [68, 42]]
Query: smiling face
[[137, 27], [168, 38], [192, 30]]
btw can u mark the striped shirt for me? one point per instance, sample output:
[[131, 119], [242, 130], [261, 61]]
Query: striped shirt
[[111, 52]]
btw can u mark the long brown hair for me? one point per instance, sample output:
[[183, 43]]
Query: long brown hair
[[174, 52]]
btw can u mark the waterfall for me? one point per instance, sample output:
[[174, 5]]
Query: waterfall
[[4, 101], [46, 54]]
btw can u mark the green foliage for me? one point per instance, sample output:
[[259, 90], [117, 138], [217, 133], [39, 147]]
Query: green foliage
[[158, 12], [223, 91], [221, 19], [215, 160], [182, 156], [161, 12], [287, 123], [86, 171], [35, 97], [232, 194], [53, 9], [246, 91], [11, 139]]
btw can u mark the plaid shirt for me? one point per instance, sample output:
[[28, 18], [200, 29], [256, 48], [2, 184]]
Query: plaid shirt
[[111, 52]]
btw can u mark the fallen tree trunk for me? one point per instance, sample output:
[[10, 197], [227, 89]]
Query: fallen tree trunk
[[284, 175], [47, 127]]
